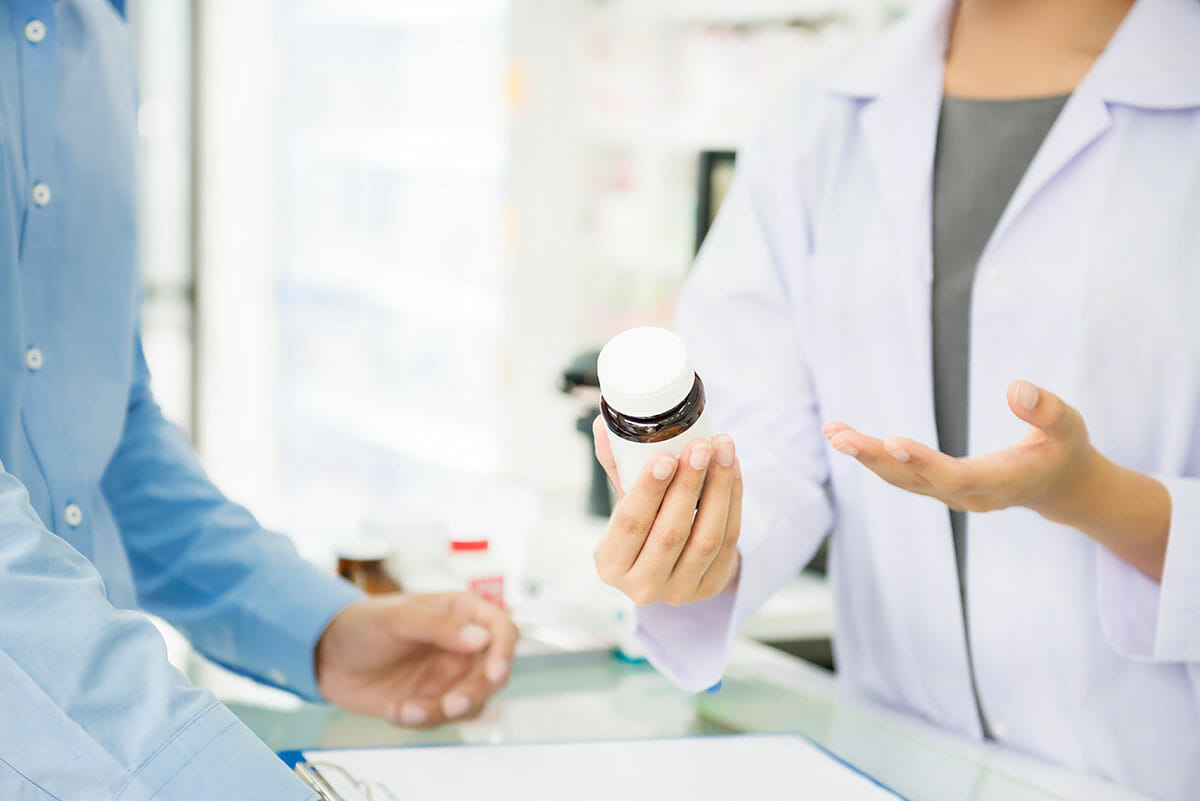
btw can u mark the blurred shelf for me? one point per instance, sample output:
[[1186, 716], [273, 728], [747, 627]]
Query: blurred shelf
[[433, 152], [746, 11], [636, 135], [401, 14], [417, 436], [459, 304]]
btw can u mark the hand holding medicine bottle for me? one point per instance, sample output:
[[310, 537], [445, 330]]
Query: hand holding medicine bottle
[[672, 537]]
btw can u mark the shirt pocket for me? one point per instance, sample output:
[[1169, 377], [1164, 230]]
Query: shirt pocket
[[15, 787]]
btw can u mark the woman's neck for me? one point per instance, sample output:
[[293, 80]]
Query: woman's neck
[[1004, 49]]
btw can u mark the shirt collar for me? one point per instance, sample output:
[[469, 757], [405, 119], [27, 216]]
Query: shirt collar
[[1152, 61]]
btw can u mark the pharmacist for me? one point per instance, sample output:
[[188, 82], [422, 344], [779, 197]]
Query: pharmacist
[[104, 507], [980, 232]]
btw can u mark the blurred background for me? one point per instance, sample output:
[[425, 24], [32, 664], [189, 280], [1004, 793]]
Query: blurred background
[[383, 239]]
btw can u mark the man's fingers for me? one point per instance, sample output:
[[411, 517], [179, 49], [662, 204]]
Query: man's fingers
[[633, 518], [463, 624], [708, 529], [604, 454], [436, 619], [673, 525], [498, 659], [462, 701], [465, 699], [1043, 409]]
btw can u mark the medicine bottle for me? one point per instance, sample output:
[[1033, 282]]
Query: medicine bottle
[[362, 561], [476, 570], [651, 398]]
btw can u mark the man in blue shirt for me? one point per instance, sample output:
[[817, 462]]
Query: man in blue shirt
[[104, 507]]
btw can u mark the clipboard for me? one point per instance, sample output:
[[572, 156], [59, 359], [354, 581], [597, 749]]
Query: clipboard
[[766, 767]]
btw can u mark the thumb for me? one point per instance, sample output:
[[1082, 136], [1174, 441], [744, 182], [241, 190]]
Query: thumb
[[1042, 409], [604, 454], [431, 619]]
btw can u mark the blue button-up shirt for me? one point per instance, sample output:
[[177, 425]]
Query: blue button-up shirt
[[103, 506]]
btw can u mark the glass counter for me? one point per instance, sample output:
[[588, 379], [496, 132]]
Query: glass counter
[[598, 697]]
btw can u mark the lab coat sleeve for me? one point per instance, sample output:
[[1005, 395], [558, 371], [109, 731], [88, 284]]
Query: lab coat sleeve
[[737, 317], [91, 709], [243, 595], [1151, 621]]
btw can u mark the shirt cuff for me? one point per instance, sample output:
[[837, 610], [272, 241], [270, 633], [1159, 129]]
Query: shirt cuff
[[690, 644], [214, 756], [276, 642], [1150, 621]]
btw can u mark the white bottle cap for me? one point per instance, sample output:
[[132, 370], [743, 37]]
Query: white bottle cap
[[364, 549], [645, 372]]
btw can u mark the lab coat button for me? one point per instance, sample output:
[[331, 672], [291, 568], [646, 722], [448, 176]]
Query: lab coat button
[[73, 515], [41, 194], [35, 30], [33, 359], [1000, 729]]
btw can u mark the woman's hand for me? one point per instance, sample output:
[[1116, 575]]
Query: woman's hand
[[1053, 470], [661, 547]]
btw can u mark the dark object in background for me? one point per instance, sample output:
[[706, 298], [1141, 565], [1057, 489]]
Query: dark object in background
[[580, 379], [363, 563], [715, 176]]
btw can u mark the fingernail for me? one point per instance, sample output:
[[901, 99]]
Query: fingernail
[[701, 453], [473, 635], [737, 470], [455, 704], [1027, 396], [495, 671], [899, 454], [725, 451], [664, 466], [413, 715], [846, 448]]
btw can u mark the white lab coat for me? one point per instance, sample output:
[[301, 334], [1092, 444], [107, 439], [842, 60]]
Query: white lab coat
[[811, 302]]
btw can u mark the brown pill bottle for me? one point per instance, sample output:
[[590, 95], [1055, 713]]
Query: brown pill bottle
[[363, 563], [651, 398]]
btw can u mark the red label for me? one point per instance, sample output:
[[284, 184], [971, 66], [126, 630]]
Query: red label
[[490, 588]]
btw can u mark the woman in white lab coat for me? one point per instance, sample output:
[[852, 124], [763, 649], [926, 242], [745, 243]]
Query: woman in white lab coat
[[811, 304]]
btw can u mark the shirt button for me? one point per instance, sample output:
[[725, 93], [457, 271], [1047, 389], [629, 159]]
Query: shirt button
[[277, 676], [73, 515], [35, 30], [41, 194], [33, 359]]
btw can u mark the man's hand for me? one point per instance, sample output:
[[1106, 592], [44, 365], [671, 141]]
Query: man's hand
[[1053, 470], [416, 660], [659, 547]]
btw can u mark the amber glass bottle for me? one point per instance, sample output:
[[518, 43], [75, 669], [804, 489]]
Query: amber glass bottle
[[363, 562], [652, 399]]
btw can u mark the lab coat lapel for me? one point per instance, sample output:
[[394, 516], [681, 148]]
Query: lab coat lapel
[[900, 135], [901, 92], [1147, 64], [1083, 119]]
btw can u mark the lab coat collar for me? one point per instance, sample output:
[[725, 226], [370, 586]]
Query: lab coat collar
[[1152, 61]]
